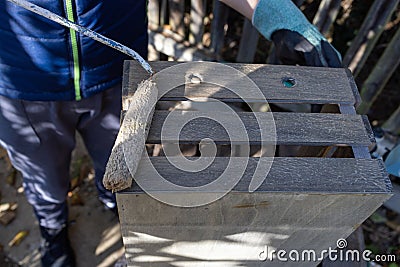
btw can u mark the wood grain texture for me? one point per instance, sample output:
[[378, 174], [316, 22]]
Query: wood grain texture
[[234, 230], [291, 128], [303, 203], [354, 88], [313, 85], [359, 151], [311, 175]]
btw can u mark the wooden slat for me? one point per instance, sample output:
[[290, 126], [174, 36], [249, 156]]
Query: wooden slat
[[221, 12], [314, 85], [236, 229], [154, 13], [291, 128], [248, 43], [354, 88], [359, 151], [305, 175], [197, 12], [364, 42], [326, 15]]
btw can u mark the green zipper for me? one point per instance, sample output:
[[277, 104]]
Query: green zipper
[[75, 54]]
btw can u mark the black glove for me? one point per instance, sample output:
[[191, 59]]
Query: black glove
[[292, 48]]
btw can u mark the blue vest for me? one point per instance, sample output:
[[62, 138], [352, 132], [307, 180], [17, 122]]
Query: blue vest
[[41, 60]]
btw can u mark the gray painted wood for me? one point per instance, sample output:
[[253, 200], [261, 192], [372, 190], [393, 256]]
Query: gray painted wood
[[359, 151], [236, 229], [303, 204], [314, 85], [295, 175], [354, 242], [354, 88], [291, 128]]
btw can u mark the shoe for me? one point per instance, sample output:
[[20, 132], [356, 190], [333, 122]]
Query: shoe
[[109, 204], [385, 142], [56, 250], [121, 262]]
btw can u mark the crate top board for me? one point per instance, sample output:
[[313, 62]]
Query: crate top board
[[314, 85], [360, 174]]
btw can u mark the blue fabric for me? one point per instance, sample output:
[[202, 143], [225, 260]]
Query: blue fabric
[[272, 15], [40, 136], [36, 56], [392, 161]]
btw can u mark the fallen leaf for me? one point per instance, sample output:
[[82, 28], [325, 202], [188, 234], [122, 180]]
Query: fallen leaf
[[8, 206], [6, 217], [14, 206], [75, 199], [10, 180], [79, 170], [18, 238], [4, 207], [84, 171]]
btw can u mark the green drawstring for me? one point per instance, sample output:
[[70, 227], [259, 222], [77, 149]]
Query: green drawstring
[[75, 54]]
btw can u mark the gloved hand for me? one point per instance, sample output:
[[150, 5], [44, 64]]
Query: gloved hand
[[297, 41]]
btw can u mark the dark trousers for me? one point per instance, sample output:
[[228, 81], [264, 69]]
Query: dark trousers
[[40, 136]]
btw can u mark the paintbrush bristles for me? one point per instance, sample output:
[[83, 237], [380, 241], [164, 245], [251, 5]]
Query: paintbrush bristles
[[130, 143]]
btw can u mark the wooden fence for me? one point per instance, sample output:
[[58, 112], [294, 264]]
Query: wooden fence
[[195, 30]]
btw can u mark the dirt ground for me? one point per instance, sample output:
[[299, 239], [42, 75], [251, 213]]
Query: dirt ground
[[94, 231]]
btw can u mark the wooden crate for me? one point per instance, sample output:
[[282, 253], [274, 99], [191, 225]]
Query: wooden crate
[[305, 203]]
